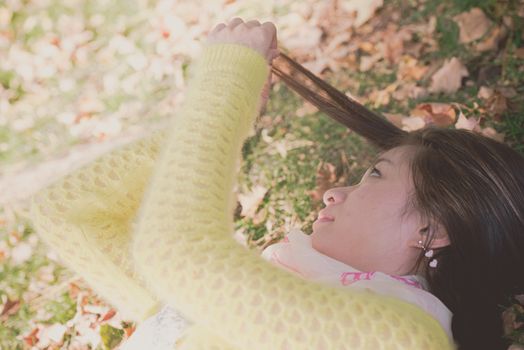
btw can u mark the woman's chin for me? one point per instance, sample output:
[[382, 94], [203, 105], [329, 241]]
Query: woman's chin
[[316, 232], [317, 225]]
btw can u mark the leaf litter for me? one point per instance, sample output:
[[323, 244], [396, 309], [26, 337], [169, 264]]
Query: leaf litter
[[92, 75]]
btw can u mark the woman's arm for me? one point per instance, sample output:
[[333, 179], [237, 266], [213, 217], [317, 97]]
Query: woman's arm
[[183, 243], [87, 217]]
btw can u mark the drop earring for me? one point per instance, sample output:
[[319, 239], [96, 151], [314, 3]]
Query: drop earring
[[428, 254]]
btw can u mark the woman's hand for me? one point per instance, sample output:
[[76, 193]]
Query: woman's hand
[[260, 37]]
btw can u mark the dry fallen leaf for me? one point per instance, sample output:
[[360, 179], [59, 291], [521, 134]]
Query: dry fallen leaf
[[367, 62], [412, 123], [251, 200], [10, 307], [448, 78], [51, 334], [492, 133], [364, 9], [409, 90], [519, 53], [392, 46], [471, 123], [380, 97], [493, 39], [31, 338], [306, 109], [507, 91], [408, 68], [440, 114], [394, 118], [473, 25], [485, 92], [326, 177], [496, 105]]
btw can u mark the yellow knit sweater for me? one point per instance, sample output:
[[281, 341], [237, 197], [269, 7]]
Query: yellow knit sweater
[[151, 223]]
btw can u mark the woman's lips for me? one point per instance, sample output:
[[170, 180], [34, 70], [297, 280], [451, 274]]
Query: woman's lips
[[324, 218]]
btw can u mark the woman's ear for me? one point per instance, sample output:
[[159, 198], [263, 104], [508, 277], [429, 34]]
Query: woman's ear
[[439, 242], [440, 239]]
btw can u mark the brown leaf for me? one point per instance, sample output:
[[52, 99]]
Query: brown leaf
[[109, 314], [473, 25], [492, 133], [408, 68], [471, 123], [508, 320], [412, 123], [485, 92], [367, 62], [367, 47], [519, 53], [11, 307], [440, 114], [496, 105], [364, 9], [31, 339], [409, 90], [396, 119], [326, 177], [393, 42], [448, 78], [493, 39], [507, 91], [306, 109], [379, 97], [129, 329], [74, 290]]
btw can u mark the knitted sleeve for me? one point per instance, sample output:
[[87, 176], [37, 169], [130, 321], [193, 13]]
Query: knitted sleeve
[[183, 246], [87, 217]]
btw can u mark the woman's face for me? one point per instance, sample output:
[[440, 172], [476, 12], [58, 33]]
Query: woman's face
[[368, 231]]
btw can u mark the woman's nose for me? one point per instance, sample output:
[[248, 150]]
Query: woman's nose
[[333, 196]]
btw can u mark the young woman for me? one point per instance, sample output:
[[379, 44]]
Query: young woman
[[433, 229]]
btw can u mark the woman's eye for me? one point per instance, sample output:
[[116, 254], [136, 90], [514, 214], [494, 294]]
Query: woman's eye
[[375, 170]]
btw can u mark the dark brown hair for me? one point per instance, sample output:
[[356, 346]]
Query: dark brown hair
[[469, 185]]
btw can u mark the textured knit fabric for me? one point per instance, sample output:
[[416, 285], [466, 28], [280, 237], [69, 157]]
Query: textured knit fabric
[[296, 254], [150, 224]]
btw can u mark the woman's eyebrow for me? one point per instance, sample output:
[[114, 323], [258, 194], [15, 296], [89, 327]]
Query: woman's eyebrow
[[382, 159]]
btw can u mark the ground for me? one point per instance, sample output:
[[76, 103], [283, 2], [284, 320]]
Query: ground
[[78, 78]]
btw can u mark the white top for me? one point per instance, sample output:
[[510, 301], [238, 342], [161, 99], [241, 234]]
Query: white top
[[296, 254]]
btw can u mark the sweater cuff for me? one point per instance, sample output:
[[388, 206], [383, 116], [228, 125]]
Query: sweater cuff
[[152, 311], [234, 59]]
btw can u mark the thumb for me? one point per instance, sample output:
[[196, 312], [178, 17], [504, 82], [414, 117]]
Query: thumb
[[275, 53]]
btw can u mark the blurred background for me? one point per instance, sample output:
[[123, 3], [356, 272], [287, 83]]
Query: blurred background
[[78, 78]]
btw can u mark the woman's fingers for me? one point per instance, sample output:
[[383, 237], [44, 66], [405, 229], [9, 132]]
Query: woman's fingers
[[253, 23], [235, 22], [218, 27], [270, 28], [261, 37]]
